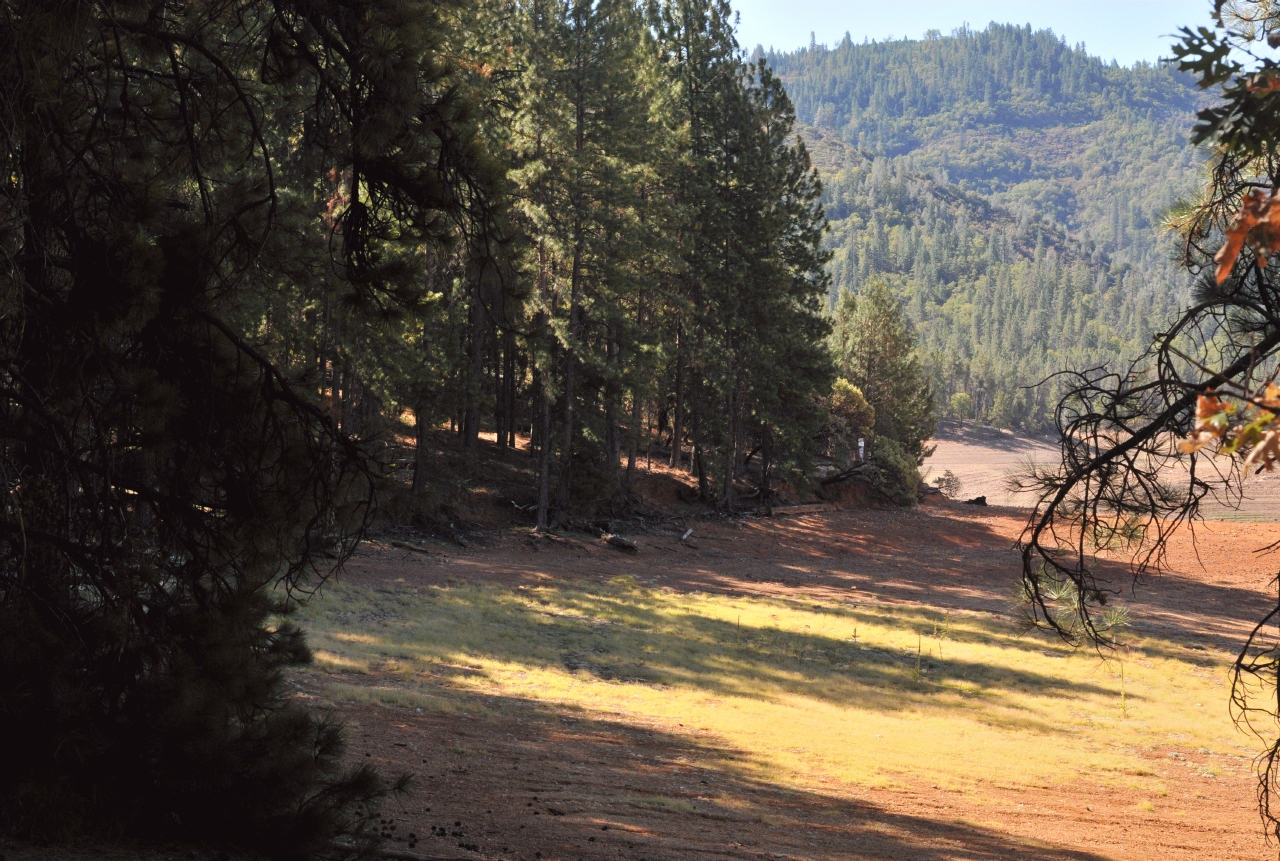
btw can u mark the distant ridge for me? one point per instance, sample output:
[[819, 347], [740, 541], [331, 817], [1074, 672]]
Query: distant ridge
[[1011, 189]]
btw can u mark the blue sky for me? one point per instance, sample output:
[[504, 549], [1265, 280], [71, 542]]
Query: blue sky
[[1123, 30]]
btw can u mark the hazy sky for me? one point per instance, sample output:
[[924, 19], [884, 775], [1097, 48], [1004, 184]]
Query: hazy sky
[[1124, 30]]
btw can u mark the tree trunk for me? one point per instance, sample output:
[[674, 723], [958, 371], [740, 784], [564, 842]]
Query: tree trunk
[[563, 488], [544, 456], [421, 463], [699, 469], [677, 424], [766, 464], [730, 467], [509, 386], [501, 416], [536, 439], [635, 440], [612, 435], [731, 448], [575, 298], [475, 382]]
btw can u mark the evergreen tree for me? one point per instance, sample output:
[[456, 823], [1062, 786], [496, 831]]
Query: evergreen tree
[[1012, 191], [582, 143], [174, 472], [874, 349], [749, 360]]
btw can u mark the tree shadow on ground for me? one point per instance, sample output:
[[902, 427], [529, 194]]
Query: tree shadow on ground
[[953, 557], [942, 555], [618, 633], [516, 779], [950, 430]]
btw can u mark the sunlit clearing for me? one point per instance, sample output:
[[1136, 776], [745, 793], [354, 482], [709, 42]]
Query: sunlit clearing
[[795, 692]]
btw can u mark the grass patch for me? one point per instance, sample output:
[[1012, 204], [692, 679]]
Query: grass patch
[[801, 691]]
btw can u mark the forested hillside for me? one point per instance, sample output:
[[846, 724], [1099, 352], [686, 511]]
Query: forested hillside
[[1010, 188]]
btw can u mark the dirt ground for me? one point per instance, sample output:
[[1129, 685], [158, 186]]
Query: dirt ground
[[524, 781], [983, 459], [527, 782]]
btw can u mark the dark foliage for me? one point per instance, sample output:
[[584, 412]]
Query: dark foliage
[[170, 486]]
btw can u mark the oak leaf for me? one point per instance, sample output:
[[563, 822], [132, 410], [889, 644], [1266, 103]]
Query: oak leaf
[[1266, 452], [1212, 421], [1209, 405], [1195, 442], [1251, 225], [1263, 84]]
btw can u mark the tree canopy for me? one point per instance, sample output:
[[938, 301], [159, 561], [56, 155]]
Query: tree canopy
[[242, 241], [171, 474]]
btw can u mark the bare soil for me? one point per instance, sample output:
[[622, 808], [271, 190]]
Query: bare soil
[[520, 780], [528, 782], [985, 458]]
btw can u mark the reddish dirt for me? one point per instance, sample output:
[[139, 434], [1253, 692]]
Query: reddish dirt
[[945, 554], [526, 782], [535, 783]]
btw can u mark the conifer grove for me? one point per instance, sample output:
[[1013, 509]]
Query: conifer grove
[[251, 250]]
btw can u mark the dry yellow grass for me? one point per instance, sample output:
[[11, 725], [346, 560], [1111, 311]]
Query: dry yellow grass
[[798, 692]]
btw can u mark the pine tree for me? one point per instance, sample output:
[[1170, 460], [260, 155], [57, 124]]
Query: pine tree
[[874, 348], [188, 190], [582, 144], [747, 320]]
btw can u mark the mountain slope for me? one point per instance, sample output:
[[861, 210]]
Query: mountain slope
[[1010, 188]]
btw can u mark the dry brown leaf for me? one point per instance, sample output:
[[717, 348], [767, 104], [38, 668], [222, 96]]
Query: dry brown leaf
[[1208, 406], [1256, 210], [1264, 84], [1266, 452], [1196, 442]]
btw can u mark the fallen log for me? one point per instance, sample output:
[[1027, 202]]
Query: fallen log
[[844, 474], [406, 545], [619, 542]]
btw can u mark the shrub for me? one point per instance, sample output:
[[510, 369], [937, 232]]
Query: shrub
[[962, 406], [949, 483], [849, 417], [893, 473]]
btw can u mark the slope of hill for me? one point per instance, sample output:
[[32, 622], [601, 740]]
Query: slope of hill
[[1011, 189]]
